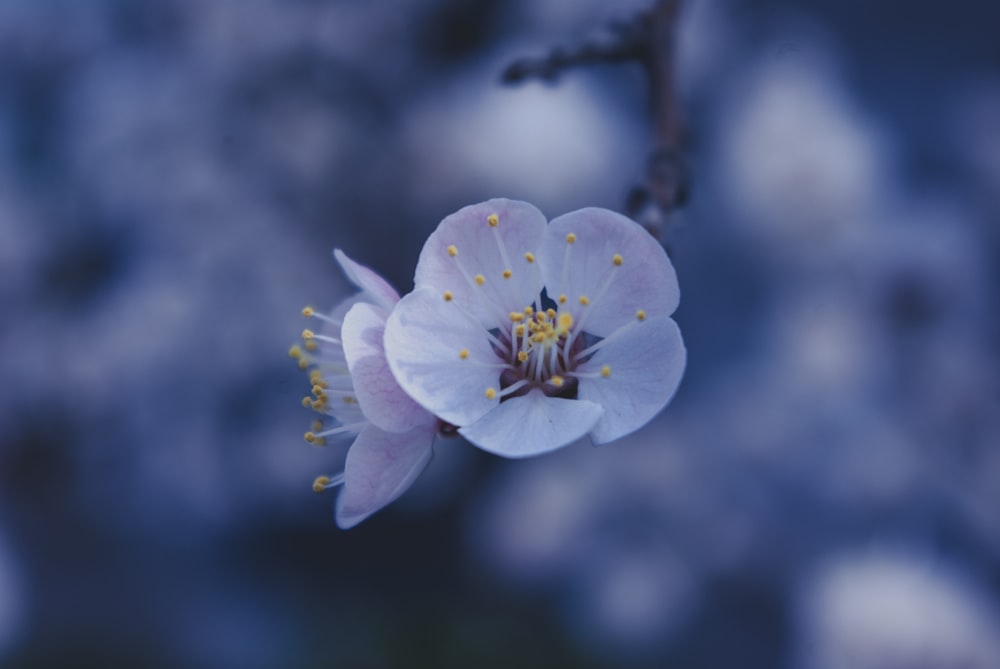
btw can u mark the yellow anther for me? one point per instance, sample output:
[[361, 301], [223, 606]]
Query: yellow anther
[[557, 381], [480, 279], [516, 316], [307, 402], [551, 312], [315, 376], [507, 274], [563, 298], [493, 220], [350, 399], [606, 371], [538, 338], [312, 346], [519, 331], [448, 296], [308, 311], [565, 322], [308, 334], [295, 351], [320, 484], [640, 315], [541, 316], [570, 238], [317, 425], [303, 363], [318, 405], [320, 441], [491, 393], [529, 256], [528, 311], [311, 437], [463, 354], [453, 250], [522, 356], [617, 260], [584, 300], [318, 391]]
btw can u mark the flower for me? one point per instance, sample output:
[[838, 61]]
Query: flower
[[528, 336], [352, 385]]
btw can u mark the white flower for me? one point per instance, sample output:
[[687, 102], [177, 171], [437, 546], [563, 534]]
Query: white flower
[[528, 336], [352, 384]]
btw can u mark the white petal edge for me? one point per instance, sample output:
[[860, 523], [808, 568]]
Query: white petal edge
[[374, 286], [646, 362], [382, 400], [532, 424], [424, 338], [380, 467]]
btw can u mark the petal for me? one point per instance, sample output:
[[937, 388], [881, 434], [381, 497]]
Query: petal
[[646, 362], [380, 467], [375, 287], [383, 402], [532, 424], [424, 339], [645, 279], [465, 245]]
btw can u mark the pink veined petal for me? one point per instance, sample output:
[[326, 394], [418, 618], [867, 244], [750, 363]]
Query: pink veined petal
[[375, 287], [425, 337], [532, 424], [380, 467], [383, 402], [645, 279], [646, 362], [465, 246]]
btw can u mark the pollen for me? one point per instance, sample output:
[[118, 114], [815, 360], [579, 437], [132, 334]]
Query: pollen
[[529, 310], [617, 260], [303, 363], [453, 250], [311, 437], [565, 321], [640, 315], [320, 484], [308, 311], [519, 331], [551, 312], [307, 402], [557, 381], [464, 354], [491, 393], [448, 296], [563, 298], [493, 220], [530, 257], [308, 334], [295, 352], [480, 279], [570, 238], [516, 316], [522, 356], [606, 371], [312, 346], [584, 300], [507, 274]]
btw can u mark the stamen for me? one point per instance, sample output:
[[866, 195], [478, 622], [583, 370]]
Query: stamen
[[512, 388], [522, 356], [563, 298], [493, 220], [308, 311], [448, 296], [295, 352], [325, 482], [640, 315], [571, 238], [480, 279], [507, 274], [557, 381], [580, 355], [312, 346], [529, 310], [529, 256], [491, 393], [606, 371], [464, 354], [452, 250], [584, 300], [516, 317], [617, 260]]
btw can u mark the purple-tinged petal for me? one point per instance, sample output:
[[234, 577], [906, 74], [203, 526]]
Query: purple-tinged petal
[[532, 424], [380, 467], [614, 263], [645, 362], [383, 402], [375, 287], [470, 257], [441, 359]]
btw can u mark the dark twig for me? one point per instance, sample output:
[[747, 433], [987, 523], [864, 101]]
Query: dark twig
[[647, 39]]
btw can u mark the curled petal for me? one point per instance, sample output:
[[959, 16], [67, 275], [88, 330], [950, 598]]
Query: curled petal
[[532, 424], [644, 364], [612, 263], [442, 358], [375, 287], [383, 402], [485, 266], [380, 467]]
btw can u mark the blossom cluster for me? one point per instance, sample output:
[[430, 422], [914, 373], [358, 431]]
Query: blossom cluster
[[521, 335]]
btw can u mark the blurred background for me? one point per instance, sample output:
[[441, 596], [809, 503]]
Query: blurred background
[[823, 493]]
